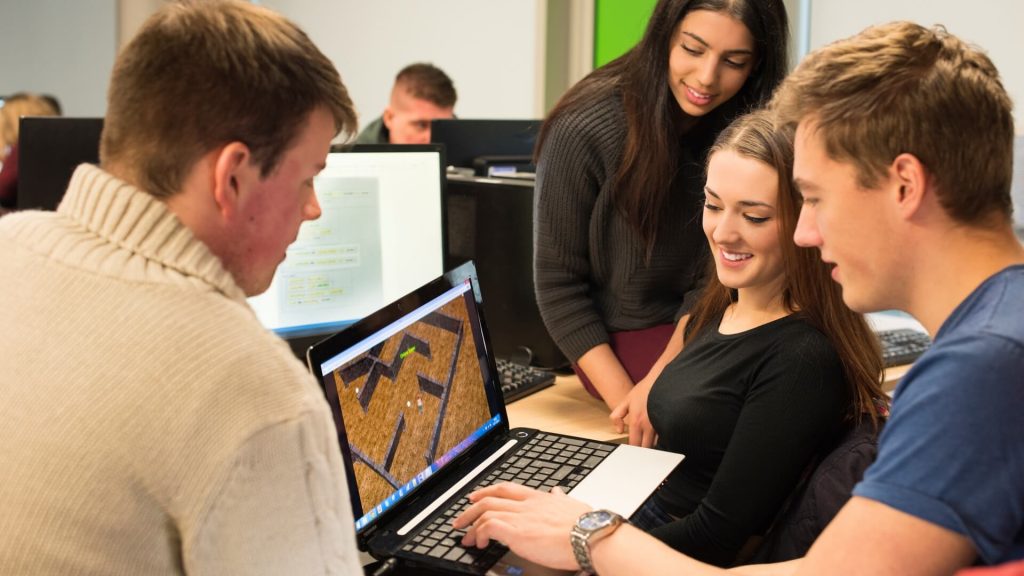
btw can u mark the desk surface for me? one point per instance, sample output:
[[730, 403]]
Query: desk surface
[[566, 408]]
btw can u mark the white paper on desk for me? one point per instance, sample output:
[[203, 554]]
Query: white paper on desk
[[626, 478]]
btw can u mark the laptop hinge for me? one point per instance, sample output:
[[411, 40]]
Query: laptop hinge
[[429, 510]]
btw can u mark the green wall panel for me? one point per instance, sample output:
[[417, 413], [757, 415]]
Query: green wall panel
[[618, 26]]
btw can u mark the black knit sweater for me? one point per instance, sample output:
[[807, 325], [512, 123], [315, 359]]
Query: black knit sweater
[[589, 267], [749, 411]]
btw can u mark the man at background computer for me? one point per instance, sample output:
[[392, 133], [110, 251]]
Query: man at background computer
[[422, 93], [149, 424], [904, 147]]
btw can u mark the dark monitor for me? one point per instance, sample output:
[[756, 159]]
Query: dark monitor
[[49, 150], [490, 221], [484, 144], [380, 236]]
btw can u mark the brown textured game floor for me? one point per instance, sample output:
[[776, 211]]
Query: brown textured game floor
[[404, 387]]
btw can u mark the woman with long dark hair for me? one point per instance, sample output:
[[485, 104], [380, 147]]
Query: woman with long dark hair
[[772, 366], [618, 242]]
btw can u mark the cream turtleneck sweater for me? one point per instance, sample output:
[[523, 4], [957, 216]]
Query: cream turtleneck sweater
[[148, 423]]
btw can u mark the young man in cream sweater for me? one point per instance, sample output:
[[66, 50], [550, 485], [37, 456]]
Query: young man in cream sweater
[[149, 424]]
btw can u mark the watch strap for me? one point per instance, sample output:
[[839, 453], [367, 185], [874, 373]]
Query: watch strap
[[581, 549], [582, 539]]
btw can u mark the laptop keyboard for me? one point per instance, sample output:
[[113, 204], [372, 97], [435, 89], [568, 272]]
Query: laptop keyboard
[[902, 346], [545, 461], [518, 380]]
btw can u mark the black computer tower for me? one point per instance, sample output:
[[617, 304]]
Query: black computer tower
[[490, 221]]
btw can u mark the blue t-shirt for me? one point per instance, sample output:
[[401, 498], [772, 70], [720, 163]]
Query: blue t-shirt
[[952, 453]]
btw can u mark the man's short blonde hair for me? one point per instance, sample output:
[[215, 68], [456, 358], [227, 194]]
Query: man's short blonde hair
[[201, 74], [904, 88], [425, 81]]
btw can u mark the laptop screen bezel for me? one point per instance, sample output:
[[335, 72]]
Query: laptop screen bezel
[[356, 333]]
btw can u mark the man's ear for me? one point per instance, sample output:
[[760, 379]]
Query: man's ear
[[388, 116], [233, 172], [912, 182]]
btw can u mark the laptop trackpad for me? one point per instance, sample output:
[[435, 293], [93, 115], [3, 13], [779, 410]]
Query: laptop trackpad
[[626, 478], [621, 483]]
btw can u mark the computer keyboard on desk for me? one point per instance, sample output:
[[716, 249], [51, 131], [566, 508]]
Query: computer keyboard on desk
[[902, 346], [546, 461], [518, 380]]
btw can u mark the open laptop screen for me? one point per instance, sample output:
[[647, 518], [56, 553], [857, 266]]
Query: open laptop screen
[[380, 236], [409, 397]]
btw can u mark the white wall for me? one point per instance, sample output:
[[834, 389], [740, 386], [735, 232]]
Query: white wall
[[60, 47], [997, 26], [490, 48]]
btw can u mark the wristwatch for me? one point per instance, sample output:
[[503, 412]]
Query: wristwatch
[[590, 528]]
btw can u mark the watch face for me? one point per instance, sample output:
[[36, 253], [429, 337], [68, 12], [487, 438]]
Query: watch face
[[595, 520]]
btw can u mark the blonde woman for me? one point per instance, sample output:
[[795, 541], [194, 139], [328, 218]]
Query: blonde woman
[[14, 107]]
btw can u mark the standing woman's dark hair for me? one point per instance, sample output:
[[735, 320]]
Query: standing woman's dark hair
[[618, 240], [654, 120]]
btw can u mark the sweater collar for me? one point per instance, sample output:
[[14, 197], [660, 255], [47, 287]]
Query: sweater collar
[[136, 221]]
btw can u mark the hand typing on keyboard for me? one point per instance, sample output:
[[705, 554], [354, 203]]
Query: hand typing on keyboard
[[544, 463], [532, 523]]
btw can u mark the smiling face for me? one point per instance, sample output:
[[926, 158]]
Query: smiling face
[[848, 224], [741, 224], [274, 207], [712, 55]]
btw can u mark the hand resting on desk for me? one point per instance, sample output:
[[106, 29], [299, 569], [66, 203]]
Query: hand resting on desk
[[631, 414]]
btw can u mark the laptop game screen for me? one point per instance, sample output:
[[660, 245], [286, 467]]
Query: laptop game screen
[[409, 398]]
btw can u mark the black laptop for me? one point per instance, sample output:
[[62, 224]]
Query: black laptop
[[422, 422]]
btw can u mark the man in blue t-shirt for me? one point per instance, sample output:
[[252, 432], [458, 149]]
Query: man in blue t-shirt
[[904, 155], [904, 147]]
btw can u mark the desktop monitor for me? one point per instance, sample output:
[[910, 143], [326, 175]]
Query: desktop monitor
[[49, 150], [482, 144], [490, 221], [380, 236]]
